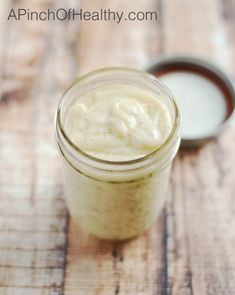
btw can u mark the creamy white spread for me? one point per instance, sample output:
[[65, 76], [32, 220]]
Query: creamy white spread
[[118, 122]]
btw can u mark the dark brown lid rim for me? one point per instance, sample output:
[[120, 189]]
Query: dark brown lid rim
[[167, 64]]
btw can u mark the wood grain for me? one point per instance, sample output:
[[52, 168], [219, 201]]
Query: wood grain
[[201, 217], [38, 65], [190, 249], [93, 266], [129, 43]]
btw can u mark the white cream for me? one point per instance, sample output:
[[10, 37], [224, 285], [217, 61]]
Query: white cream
[[118, 122]]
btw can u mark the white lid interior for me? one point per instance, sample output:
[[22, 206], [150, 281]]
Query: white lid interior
[[201, 102]]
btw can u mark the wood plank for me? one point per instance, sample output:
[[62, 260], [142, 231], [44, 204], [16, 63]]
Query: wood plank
[[129, 43], [94, 266], [37, 67], [200, 218], [190, 248], [192, 235], [3, 34]]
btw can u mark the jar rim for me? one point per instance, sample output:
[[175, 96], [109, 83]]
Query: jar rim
[[174, 128]]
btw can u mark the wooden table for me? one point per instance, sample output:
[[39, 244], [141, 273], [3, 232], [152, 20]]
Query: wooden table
[[191, 248]]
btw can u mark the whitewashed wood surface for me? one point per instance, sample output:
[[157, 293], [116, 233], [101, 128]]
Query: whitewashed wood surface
[[190, 249]]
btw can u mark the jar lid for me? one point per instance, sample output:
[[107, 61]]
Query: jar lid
[[204, 94]]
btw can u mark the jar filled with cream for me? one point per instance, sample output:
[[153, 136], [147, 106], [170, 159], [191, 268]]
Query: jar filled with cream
[[118, 133]]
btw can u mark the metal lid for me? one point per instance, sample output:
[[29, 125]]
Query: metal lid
[[204, 94]]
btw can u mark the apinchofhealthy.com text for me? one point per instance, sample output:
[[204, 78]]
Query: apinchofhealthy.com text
[[72, 14]]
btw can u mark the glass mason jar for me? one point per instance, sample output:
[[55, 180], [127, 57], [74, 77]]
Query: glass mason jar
[[116, 200]]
